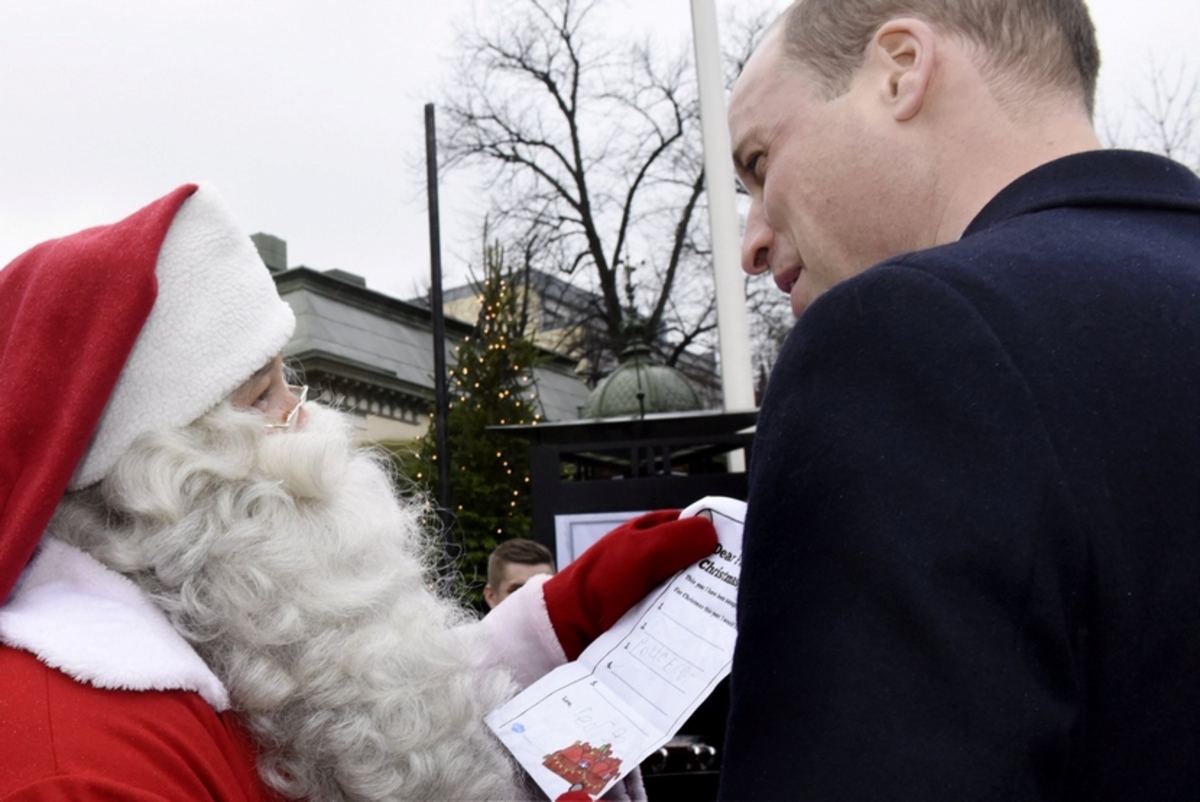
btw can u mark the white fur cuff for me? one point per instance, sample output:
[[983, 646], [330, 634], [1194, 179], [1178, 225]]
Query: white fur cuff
[[518, 635]]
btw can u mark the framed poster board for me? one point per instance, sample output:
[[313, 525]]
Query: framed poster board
[[574, 533]]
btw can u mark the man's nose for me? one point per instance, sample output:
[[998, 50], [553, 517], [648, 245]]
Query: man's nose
[[756, 242]]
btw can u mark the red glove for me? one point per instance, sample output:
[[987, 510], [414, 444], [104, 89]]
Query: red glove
[[589, 595]]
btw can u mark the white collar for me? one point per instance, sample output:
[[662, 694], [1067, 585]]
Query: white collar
[[98, 627]]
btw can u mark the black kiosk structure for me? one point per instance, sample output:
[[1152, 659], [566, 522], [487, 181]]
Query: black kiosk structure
[[628, 465], [588, 476]]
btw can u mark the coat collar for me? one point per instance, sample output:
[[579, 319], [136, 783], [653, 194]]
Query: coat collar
[[99, 628], [1095, 178]]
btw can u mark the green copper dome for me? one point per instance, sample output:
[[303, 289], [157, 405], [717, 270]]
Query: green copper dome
[[663, 389]]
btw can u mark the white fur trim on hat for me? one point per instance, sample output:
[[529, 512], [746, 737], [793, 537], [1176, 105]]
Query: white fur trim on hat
[[217, 319]]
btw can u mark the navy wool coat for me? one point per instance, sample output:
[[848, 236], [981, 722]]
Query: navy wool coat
[[972, 557]]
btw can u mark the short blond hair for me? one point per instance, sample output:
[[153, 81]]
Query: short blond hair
[[1035, 44]]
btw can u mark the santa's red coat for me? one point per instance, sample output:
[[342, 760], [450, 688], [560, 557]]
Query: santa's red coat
[[63, 739], [135, 714]]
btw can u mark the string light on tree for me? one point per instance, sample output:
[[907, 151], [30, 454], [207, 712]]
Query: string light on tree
[[494, 383]]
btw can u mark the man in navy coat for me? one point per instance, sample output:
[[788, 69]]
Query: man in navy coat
[[972, 557]]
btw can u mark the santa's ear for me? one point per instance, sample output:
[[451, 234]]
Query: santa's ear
[[901, 60]]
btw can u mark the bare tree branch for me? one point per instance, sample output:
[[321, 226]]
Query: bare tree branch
[[591, 152], [1165, 118]]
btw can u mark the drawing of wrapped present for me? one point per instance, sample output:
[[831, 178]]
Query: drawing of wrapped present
[[585, 765]]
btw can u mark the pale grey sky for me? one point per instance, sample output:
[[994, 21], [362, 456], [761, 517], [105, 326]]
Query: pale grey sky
[[307, 115]]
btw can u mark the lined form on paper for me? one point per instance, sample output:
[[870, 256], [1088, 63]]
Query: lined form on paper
[[588, 723]]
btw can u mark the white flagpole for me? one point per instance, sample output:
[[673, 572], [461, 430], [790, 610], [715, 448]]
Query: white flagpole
[[737, 383]]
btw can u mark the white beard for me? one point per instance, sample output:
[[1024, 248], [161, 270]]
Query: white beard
[[290, 566]]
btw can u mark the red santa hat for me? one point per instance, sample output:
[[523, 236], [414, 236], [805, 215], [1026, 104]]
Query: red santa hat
[[115, 331]]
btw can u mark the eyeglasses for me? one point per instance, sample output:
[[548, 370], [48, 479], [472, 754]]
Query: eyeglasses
[[301, 392]]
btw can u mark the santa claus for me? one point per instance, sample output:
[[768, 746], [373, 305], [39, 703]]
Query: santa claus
[[211, 592]]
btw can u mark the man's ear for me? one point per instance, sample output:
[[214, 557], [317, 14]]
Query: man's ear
[[489, 596], [903, 54]]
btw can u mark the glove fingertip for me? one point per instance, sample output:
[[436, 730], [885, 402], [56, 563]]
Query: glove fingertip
[[574, 796], [700, 538]]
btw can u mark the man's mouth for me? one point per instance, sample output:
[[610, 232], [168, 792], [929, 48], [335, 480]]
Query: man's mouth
[[787, 279]]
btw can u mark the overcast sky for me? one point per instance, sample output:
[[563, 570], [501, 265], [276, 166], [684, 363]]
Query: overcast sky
[[308, 116]]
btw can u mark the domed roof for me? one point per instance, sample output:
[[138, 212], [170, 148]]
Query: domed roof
[[663, 389]]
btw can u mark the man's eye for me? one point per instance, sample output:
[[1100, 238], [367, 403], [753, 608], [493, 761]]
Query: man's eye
[[755, 165]]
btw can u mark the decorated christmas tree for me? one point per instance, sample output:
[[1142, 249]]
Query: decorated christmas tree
[[491, 383]]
